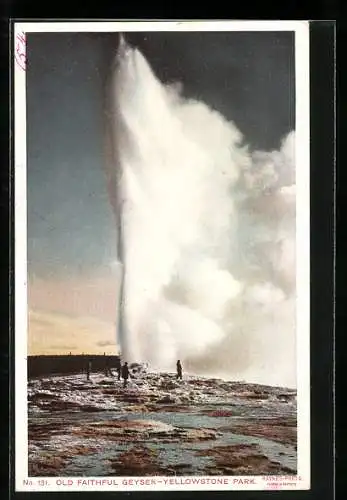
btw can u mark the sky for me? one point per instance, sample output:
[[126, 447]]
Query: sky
[[249, 77]]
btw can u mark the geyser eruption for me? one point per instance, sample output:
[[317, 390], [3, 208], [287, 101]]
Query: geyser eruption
[[206, 234]]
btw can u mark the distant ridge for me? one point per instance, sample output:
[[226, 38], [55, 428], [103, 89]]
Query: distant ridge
[[57, 364]]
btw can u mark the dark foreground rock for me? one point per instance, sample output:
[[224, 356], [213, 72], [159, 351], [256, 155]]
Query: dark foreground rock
[[282, 431], [124, 431], [241, 460]]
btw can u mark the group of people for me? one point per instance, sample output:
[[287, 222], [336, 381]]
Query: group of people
[[123, 370]]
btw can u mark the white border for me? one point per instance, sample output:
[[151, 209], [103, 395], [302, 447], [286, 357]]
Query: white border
[[21, 304], [302, 145], [302, 480]]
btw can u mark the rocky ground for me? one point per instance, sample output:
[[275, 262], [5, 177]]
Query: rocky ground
[[159, 426]]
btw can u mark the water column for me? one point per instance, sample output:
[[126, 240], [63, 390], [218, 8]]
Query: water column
[[113, 176]]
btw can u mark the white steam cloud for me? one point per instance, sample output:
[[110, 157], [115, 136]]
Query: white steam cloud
[[208, 233]]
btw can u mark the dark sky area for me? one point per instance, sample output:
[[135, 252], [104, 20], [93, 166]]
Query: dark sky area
[[249, 77]]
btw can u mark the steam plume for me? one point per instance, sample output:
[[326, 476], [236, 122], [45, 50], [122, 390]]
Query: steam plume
[[207, 234]]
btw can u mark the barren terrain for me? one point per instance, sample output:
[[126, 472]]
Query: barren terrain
[[159, 426]]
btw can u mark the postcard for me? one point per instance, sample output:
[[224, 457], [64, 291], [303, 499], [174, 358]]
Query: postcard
[[162, 186]]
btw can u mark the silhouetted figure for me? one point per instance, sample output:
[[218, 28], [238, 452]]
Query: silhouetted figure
[[179, 370], [125, 374], [89, 369], [108, 371], [118, 367]]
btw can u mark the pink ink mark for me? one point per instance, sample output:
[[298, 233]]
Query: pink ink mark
[[20, 51], [273, 486]]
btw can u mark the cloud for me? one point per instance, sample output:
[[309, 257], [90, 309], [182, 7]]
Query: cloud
[[105, 343]]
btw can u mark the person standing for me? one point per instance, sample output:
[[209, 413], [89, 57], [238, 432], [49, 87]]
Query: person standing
[[179, 370], [118, 367], [108, 371], [89, 369], [125, 374]]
